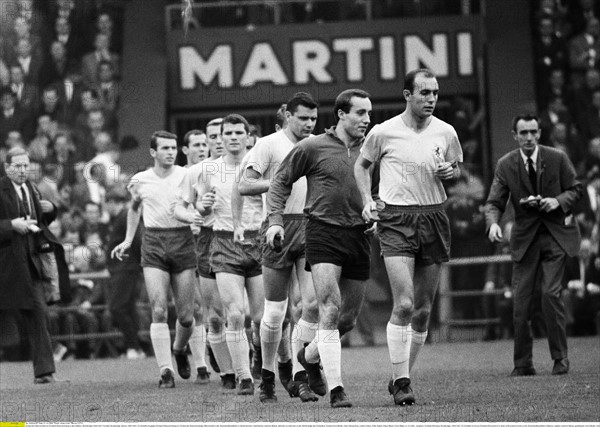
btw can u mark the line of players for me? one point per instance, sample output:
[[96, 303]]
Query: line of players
[[261, 254]]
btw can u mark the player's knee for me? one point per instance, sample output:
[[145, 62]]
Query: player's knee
[[159, 315], [420, 318], [310, 311], [236, 319], [346, 324], [274, 313], [404, 308]]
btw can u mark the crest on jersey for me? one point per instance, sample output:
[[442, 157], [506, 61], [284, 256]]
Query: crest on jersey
[[437, 152]]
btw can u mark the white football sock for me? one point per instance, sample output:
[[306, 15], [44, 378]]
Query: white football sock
[[198, 345], [161, 343], [271, 332], [417, 342], [330, 350], [284, 351], [237, 342], [398, 339], [220, 349]]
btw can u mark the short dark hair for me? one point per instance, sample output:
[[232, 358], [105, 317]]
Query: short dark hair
[[215, 122], [14, 152], [526, 117], [188, 135], [160, 134], [344, 100], [280, 115], [301, 98], [409, 79], [235, 119]]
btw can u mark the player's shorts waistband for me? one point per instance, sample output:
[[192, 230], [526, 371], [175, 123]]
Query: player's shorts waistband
[[415, 208], [248, 234], [167, 229], [206, 229]]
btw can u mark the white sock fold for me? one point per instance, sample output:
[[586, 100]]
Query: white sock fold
[[237, 342], [161, 343], [220, 349], [416, 344], [304, 333], [330, 350], [198, 345], [398, 339]]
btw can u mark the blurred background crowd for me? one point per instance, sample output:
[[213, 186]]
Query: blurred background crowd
[[60, 94]]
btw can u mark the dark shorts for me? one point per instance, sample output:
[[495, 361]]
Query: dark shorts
[[226, 256], [419, 232], [168, 249], [203, 241], [349, 248], [293, 244]]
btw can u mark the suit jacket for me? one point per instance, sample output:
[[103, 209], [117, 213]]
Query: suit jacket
[[20, 120], [556, 178], [89, 67], [19, 261]]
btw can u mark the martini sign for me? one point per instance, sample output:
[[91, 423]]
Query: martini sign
[[236, 67]]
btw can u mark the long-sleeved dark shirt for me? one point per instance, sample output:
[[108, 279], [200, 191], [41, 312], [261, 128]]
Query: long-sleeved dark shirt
[[332, 195]]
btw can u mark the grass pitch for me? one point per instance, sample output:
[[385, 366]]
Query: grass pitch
[[453, 381]]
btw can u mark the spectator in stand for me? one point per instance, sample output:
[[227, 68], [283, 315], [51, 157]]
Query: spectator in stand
[[61, 159], [30, 61], [556, 87], [582, 98], [64, 34], [52, 105], [581, 12], [124, 276], [584, 52], [57, 65], [13, 139], [22, 30], [569, 143], [45, 132], [86, 135], [555, 112], [26, 93], [550, 52], [12, 117], [105, 25], [107, 87], [90, 62], [280, 118]]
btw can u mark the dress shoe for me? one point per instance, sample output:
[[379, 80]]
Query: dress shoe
[[561, 366], [523, 372]]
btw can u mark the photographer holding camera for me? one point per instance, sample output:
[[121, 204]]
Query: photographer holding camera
[[542, 187], [25, 242]]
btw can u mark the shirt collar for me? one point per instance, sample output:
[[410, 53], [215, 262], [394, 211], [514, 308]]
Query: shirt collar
[[533, 156], [18, 187]]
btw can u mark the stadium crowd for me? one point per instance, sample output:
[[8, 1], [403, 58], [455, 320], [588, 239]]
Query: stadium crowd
[[60, 70]]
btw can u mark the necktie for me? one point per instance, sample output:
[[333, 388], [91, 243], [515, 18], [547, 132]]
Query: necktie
[[532, 175], [25, 203]]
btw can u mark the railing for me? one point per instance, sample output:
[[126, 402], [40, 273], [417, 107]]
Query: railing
[[445, 296], [274, 12]]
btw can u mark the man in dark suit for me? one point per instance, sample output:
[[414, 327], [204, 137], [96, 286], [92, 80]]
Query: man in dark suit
[[12, 117], [540, 182], [24, 235]]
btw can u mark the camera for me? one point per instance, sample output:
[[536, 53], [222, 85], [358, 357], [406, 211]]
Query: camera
[[531, 202]]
